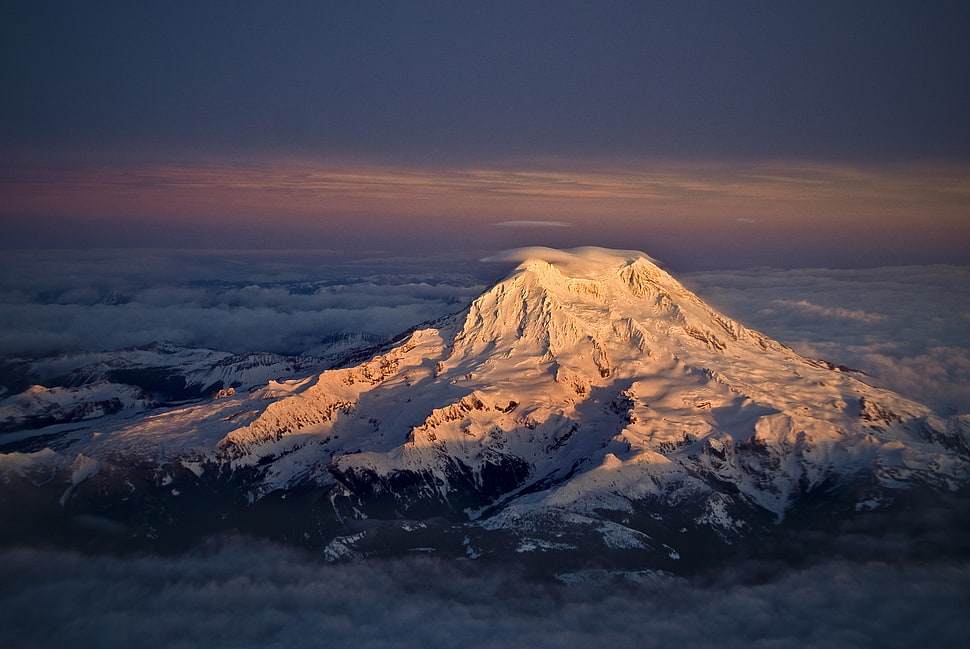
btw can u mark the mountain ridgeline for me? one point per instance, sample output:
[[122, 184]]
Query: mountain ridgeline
[[586, 410]]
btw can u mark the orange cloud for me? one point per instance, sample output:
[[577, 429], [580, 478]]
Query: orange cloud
[[629, 194]]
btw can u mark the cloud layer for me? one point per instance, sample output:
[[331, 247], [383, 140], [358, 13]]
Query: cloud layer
[[249, 594], [908, 327], [231, 301]]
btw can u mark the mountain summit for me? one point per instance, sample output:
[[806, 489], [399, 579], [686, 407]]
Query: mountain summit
[[588, 404]]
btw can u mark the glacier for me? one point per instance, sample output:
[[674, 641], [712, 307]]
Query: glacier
[[587, 408]]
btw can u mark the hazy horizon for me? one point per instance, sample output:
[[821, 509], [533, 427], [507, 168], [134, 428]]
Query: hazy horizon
[[709, 136]]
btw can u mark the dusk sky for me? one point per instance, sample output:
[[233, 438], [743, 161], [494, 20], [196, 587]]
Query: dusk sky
[[708, 134], [309, 177]]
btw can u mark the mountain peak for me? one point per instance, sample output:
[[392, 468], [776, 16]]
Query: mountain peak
[[592, 303], [588, 262], [579, 270], [587, 397]]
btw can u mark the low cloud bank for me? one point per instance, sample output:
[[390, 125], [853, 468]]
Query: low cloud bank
[[251, 594], [236, 302], [907, 327]]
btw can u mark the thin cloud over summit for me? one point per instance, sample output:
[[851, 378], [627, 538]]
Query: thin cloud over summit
[[533, 224]]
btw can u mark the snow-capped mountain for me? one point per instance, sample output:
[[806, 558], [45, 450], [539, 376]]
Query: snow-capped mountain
[[587, 405], [82, 386]]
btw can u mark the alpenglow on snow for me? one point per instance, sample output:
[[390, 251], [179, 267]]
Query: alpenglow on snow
[[588, 405]]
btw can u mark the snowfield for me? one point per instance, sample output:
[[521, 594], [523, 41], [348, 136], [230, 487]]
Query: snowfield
[[588, 400]]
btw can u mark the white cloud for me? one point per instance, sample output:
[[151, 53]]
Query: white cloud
[[534, 224], [240, 302], [249, 594], [907, 327], [581, 255], [831, 312]]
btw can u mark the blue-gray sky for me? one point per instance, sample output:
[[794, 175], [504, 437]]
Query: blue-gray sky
[[857, 80], [434, 88]]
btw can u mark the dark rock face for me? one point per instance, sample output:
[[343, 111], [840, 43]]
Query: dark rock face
[[138, 508]]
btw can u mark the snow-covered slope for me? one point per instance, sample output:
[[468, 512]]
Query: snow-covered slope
[[587, 400], [83, 386]]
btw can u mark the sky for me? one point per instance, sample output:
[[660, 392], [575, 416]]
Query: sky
[[708, 134]]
